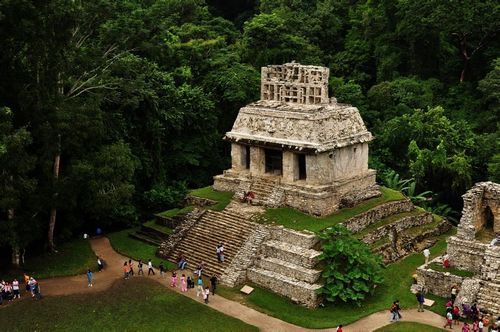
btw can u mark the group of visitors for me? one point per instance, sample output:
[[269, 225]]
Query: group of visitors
[[128, 268], [10, 291], [395, 311]]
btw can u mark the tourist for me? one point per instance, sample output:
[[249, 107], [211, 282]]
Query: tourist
[[139, 268], [454, 292], [15, 289], [125, 270], [32, 282], [89, 278], [465, 328], [456, 315], [36, 290], [7, 291], [420, 300], [213, 283], [199, 287], [339, 328], [199, 269], [173, 280], [475, 325], [100, 264], [162, 268], [217, 252], [449, 320], [150, 267], [26, 282], [475, 311], [190, 282], [427, 254], [449, 305], [221, 253], [480, 325], [183, 283], [130, 267], [395, 315], [496, 240], [206, 293], [248, 197], [446, 261]]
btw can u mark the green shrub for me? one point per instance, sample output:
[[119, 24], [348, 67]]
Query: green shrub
[[351, 270]]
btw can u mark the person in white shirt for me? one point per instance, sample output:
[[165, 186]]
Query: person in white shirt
[[427, 254], [15, 288], [150, 268]]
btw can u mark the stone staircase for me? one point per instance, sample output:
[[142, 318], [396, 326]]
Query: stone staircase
[[286, 265], [488, 296], [263, 191], [214, 227]]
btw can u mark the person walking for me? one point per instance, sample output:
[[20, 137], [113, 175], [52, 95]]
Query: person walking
[[427, 254], [420, 300], [26, 282], [395, 311], [130, 267], [150, 267], [162, 269], [100, 264], [183, 283], [206, 294], [15, 289], [449, 320], [173, 280], [456, 315], [89, 278], [454, 292], [199, 287], [221, 253], [213, 283], [125, 270], [139, 268]]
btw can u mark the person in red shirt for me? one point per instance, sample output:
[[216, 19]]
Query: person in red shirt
[[456, 314], [339, 328]]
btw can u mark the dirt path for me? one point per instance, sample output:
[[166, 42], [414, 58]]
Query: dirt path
[[103, 280]]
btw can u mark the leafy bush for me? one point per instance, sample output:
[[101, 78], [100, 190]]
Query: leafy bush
[[163, 196], [351, 270]]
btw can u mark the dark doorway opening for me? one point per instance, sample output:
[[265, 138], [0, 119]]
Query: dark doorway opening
[[274, 161], [489, 219], [302, 166], [247, 157]]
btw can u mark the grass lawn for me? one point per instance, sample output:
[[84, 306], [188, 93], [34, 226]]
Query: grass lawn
[[398, 279], [173, 212], [222, 197], [71, 258], [161, 228], [297, 220], [132, 305], [408, 327], [461, 273], [127, 246]]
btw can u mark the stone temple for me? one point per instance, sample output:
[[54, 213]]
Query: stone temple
[[471, 249], [297, 147]]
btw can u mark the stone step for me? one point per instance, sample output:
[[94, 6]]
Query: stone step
[[298, 291], [226, 222], [291, 253], [212, 265], [289, 269], [303, 239]]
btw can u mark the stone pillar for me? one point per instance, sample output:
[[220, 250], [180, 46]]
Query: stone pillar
[[257, 160], [290, 167], [237, 156]]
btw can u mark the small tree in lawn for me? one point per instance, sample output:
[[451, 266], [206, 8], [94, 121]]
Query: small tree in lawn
[[351, 270]]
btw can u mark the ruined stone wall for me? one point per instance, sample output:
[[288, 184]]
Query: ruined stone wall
[[438, 283], [466, 255], [363, 220]]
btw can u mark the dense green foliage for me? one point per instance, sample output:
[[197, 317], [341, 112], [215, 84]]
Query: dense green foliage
[[137, 304], [134, 96], [351, 270]]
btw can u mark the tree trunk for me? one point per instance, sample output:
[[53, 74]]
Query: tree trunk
[[53, 210], [16, 253]]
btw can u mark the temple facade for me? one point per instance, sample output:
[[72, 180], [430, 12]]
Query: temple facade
[[297, 147]]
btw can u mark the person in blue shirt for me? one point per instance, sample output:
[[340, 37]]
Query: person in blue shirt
[[89, 277]]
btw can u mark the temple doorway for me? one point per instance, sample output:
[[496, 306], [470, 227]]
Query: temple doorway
[[274, 161], [301, 159], [489, 219]]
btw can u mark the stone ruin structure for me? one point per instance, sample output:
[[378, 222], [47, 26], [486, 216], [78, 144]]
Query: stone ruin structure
[[294, 147], [467, 251], [297, 147]]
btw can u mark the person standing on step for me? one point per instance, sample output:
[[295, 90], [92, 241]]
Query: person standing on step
[[420, 300], [217, 252], [213, 283], [199, 287], [139, 268], [427, 254], [130, 267], [206, 294], [173, 280], [89, 278], [183, 283], [150, 267], [162, 269], [221, 253]]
